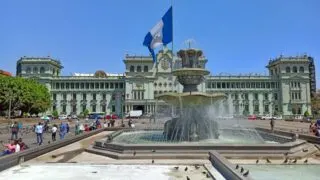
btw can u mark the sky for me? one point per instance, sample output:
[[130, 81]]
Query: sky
[[236, 36]]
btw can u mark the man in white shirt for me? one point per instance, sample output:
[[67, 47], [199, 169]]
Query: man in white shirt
[[39, 131], [54, 132], [17, 146]]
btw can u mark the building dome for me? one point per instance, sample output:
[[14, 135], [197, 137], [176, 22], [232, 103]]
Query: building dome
[[100, 74]]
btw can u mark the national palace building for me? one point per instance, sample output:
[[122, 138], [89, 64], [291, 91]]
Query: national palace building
[[286, 90]]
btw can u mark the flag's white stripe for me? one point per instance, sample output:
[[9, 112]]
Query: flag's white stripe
[[157, 35]]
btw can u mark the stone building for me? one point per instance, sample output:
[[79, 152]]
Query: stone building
[[286, 90]]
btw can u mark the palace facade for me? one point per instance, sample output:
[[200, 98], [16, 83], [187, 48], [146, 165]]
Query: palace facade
[[286, 90]]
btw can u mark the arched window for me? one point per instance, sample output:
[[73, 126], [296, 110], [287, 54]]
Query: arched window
[[35, 70], [42, 70], [145, 69], [131, 68], [28, 70], [138, 68], [288, 69], [294, 69], [301, 69]]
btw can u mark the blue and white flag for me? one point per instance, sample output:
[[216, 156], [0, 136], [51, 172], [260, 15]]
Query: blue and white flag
[[160, 34]]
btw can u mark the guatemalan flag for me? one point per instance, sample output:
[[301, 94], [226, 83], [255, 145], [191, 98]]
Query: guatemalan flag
[[160, 34]]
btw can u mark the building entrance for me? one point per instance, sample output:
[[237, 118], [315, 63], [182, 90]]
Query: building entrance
[[138, 107]]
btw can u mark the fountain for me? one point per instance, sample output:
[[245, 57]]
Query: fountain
[[192, 123]]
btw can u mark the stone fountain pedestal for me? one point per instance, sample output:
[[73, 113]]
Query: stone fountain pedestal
[[192, 124]]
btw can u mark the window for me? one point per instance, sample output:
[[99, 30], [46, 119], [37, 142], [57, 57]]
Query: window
[[246, 108], [93, 108], [138, 68], [113, 108], [121, 85], [35, 70], [54, 97], [116, 85], [131, 68], [91, 85], [295, 69], [64, 98], [288, 69], [104, 96], [84, 107], [74, 109], [77, 85], [266, 108], [246, 97], [101, 85], [64, 108], [28, 70], [42, 70], [96, 86], [111, 86], [218, 85], [301, 69], [107, 85], [54, 107], [256, 96], [266, 96], [72, 85], [84, 96], [145, 69], [57, 85], [275, 95], [256, 108], [87, 85], [103, 107], [94, 96], [74, 96]]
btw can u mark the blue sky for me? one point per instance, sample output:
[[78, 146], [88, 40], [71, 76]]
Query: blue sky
[[236, 36]]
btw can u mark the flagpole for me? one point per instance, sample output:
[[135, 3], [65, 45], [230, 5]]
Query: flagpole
[[172, 38], [172, 55]]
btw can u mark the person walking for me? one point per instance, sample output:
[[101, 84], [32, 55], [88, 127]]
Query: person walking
[[63, 130], [54, 132], [272, 124], [14, 131], [39, 131]]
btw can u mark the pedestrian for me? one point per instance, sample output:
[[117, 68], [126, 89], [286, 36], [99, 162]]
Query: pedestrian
[[14, 131], [20, 128], [272, 124], [67, 127], [54, 132], [39, 131], [63, 130]]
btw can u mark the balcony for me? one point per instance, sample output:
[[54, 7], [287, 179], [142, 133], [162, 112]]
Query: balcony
[[255, 102], [103, 102], [73, 101], [266, 102], [64, 102], [83, 102], [93, 102]]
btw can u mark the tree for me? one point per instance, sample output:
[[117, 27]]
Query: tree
[[55, 114], [26, 95], [85, 113]]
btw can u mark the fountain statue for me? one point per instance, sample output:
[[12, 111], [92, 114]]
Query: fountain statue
[[192, 123]]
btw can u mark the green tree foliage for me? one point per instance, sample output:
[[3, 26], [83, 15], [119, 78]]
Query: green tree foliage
[[85, 113], [26, 95], [55, 114]]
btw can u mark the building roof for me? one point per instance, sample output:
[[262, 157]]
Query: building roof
[[5, 73]]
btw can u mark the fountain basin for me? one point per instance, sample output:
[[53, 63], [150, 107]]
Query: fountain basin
[[283, 172]]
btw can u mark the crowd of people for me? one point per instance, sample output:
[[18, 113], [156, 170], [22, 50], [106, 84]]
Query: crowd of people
[[16, 144], [315, 128]]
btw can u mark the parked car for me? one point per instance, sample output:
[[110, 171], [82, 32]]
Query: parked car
[[63, 117], [266, 117], [252, 117], [277, 117]]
